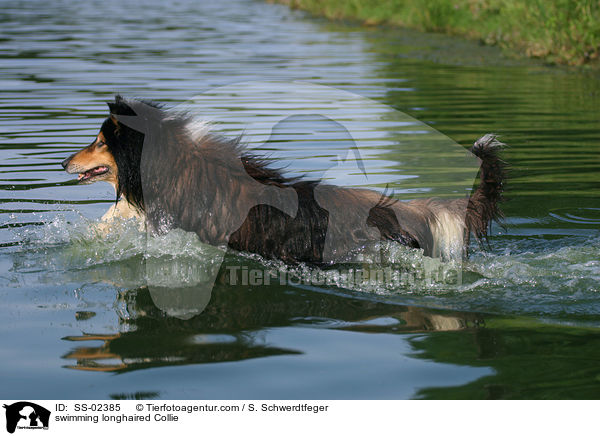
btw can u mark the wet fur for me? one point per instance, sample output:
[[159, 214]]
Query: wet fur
[[208, 180]]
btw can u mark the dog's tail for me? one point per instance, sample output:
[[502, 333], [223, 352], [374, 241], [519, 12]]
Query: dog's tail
[[483, 205]]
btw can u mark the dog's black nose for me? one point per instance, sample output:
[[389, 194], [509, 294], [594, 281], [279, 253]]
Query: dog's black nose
[[65, 162]]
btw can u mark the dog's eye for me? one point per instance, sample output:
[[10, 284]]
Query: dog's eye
[[100, 144]]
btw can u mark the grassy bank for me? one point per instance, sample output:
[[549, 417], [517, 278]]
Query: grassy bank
[[561, 31]]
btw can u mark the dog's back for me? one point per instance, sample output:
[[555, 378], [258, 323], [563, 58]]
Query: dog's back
[[331, 221]]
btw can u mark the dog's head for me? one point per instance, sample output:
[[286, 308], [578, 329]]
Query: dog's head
[[116, 147], [94, 163]]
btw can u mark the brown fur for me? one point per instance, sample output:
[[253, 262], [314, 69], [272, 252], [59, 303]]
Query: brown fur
[[213, 187]]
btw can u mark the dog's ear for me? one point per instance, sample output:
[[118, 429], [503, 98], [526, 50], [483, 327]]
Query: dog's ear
[[112, 107], [120, 106]]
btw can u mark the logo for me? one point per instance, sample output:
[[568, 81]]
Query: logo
[[26, 415]]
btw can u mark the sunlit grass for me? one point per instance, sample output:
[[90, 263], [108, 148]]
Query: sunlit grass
[[560, 31]]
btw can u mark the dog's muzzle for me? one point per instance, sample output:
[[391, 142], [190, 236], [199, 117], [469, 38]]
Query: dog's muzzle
[[66, 162]]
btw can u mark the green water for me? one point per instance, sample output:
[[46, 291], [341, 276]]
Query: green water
[[80, 319]]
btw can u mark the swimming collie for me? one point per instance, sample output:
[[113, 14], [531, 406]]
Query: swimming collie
[[174, 173]]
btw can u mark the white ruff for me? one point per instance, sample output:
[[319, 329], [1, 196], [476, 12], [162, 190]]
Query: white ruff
[[198, 129]]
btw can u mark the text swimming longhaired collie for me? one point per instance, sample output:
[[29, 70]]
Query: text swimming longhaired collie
[[174, 173]]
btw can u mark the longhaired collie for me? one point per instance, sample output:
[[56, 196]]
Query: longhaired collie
[[174, 173]]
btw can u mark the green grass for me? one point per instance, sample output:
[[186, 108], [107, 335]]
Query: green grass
[[559, 31]]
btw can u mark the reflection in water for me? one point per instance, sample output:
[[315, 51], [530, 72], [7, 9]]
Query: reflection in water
[[530, 360], [235, 326], [230, 326]]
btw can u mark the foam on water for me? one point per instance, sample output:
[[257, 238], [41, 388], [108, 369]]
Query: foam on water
[[554, 267], [531, 275]]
